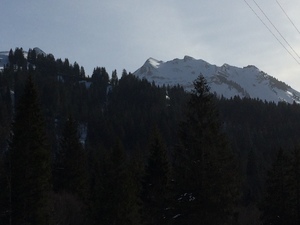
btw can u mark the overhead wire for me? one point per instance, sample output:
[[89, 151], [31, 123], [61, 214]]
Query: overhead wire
[[288, 17], [276, 29], [280, 42]]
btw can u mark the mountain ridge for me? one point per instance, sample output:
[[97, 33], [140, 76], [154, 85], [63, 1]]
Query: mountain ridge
[[226, 80]]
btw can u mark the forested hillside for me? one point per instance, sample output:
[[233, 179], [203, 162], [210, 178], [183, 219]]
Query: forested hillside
[[114, 149]]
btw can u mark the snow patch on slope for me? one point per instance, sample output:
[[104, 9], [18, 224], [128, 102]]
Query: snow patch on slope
[[226, 80]]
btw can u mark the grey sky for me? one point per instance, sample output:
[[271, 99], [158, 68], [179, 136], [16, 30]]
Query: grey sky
[[123, 34]]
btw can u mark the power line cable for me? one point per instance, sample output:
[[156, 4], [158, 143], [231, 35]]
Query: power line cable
[[271, 32], [288, 17], [276, 28]]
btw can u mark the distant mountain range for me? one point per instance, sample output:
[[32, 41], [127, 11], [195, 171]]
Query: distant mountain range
[[227, 81]]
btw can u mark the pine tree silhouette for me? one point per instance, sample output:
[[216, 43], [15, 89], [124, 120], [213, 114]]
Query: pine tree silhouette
[[30, 162]]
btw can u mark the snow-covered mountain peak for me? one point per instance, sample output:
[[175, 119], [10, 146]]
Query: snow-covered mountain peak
[[226, 80], [150, 65], [153, 62]]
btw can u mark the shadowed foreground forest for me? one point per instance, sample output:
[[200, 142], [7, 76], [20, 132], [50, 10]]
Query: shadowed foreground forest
[[109, 149]]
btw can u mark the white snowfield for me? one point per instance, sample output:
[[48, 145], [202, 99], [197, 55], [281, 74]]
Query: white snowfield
[[227, 81]]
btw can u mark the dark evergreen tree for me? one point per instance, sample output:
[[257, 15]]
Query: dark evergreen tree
[[5, 117], [76, 70], [206, 170], [253, 180], [20, 60], [294, 186], [114, 79], [66, 67], [275, 207], [157, 181], [11, 57], [125, 198], [31, 57], [115, 194], [71, 178], [5, 122], [30, 163], [100, 81], [5, 190], [82, 72], [71, 163], [124, 73]]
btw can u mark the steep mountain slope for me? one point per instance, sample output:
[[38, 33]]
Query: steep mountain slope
[[227, 81]]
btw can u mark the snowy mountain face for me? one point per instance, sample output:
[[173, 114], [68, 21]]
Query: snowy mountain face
[[227, 81]]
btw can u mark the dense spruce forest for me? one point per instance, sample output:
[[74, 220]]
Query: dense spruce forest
[[114, 149]]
